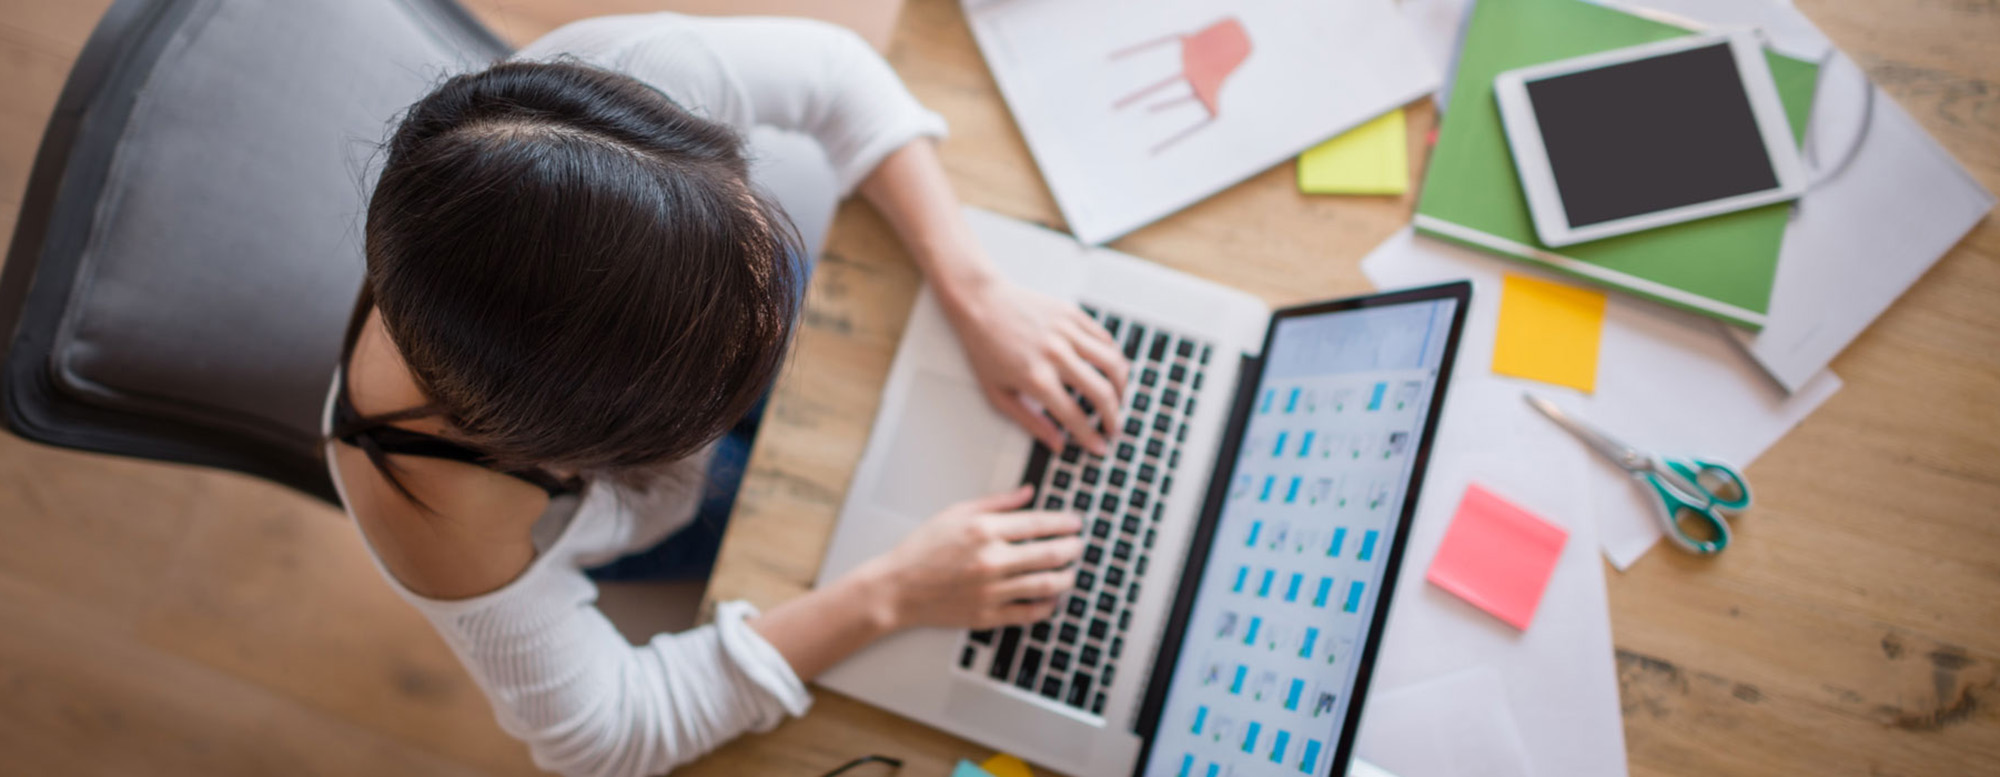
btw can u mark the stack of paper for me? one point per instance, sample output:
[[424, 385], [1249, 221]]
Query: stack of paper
[[1886, 201], [1885, 204], [1722, 266]]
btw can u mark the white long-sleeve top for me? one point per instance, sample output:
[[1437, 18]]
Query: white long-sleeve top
[[557, 673]]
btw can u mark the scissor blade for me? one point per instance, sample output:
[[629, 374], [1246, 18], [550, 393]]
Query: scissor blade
[[1619, 453]]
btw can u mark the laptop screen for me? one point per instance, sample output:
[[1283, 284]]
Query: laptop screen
[[1283, 614]]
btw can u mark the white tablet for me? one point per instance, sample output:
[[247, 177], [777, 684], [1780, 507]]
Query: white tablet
[[1647, 136]]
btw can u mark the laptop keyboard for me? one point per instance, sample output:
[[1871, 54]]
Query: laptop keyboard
[[1073, 656]]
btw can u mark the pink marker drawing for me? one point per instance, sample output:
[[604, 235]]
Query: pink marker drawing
[[1208, 57]]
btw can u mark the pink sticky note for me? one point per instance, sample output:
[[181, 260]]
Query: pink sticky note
[[1497, 556]]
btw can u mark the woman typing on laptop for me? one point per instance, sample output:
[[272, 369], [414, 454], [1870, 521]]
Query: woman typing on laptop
[[577, 297]]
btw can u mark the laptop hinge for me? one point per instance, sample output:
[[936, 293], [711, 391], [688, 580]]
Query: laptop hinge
[[1146, 719]]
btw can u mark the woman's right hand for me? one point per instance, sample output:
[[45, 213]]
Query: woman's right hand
[[980, 564]]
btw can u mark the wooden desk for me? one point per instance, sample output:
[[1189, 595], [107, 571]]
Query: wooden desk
[[1853, 629], [168, 620]]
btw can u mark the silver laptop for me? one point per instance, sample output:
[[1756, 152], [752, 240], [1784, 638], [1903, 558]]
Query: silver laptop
[[1243, 533]]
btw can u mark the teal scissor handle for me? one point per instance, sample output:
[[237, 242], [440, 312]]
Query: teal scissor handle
[[1699, 491], [1721, 484]]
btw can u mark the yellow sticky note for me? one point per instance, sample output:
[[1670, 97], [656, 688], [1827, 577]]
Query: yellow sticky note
[[1549, 332], [1004, 765], [1373, 158]]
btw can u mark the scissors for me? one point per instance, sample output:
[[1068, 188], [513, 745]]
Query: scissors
[[1689, 491]]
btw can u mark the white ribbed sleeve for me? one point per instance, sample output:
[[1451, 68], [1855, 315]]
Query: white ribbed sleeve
[[793, 74], [587, 703], [562, 679]]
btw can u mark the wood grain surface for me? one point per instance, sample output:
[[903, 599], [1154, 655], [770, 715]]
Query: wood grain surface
[[166, 620]]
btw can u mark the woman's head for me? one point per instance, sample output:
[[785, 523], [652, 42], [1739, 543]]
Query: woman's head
[[576, 270]]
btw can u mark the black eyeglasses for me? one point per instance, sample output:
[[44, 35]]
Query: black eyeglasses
[[864, 761]]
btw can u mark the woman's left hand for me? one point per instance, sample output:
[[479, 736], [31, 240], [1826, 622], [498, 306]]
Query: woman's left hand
[[1029, 348]]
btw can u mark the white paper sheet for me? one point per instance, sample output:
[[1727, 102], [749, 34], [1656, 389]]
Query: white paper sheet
[[1565, 703], [1561, 674], [1458, 725], [1667, 381], [1862, 238], [1123, 139]]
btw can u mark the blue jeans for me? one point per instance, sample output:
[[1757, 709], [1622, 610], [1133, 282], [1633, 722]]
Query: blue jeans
[[689, 554]]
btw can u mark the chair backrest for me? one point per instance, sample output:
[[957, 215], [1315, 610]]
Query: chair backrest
[[189, 247]]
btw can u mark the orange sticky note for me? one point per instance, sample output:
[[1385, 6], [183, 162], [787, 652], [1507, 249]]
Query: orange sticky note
[[1497, 556], [1549, 332]]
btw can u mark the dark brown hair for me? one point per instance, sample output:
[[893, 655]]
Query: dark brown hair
[[576, 270]]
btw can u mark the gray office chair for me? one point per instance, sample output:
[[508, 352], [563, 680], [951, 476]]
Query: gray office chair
[[189, 247]]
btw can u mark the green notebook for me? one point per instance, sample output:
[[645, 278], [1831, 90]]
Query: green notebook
[[1721, 266]]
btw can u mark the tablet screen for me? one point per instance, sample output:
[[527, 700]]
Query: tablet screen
[[1650, 135]]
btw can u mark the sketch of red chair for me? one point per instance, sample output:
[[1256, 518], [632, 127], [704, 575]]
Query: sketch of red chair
[[1208, 57]]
